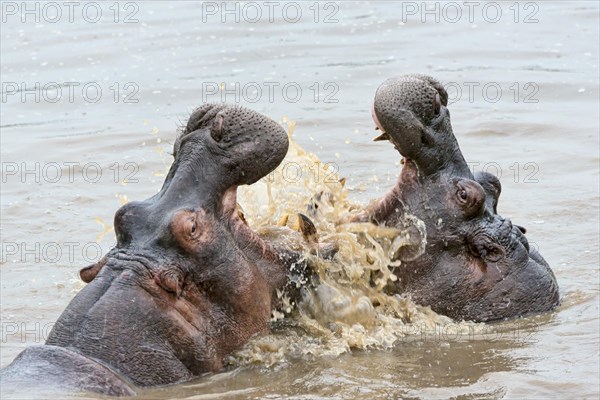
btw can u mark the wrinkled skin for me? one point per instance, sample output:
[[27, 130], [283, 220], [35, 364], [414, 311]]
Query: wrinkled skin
[[476, 265], [187, 282]]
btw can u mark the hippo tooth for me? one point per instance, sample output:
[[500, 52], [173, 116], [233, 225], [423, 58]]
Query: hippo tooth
[[383, 136]]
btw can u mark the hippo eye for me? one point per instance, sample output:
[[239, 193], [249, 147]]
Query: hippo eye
[[463, 195], [193, 228], [190, 229], [470, 197], [437, 104]]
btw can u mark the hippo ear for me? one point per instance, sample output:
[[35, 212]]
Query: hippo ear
[[88, 273], [522, 229], [493, 188]]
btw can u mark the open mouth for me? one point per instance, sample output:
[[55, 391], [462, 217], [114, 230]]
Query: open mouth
[[378, 127], [409, 169]]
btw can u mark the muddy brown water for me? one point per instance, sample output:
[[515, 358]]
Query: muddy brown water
[[524, 92]]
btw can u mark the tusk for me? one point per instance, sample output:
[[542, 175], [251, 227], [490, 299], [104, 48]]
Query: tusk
[[241, 216], [283, 221], [308, 229], [383, 136]]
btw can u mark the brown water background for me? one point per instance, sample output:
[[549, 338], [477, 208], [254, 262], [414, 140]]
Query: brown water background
[[155, 61]]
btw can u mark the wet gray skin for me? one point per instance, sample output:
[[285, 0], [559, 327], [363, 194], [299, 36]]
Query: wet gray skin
[[476, 265], [187, 282]]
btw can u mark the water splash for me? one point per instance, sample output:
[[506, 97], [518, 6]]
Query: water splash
[[349, 308]]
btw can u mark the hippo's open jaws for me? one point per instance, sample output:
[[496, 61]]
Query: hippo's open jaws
[[477, 265], [187, 283]]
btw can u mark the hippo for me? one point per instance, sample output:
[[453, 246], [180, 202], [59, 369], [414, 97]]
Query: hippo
[[187, 283], [468, 262]]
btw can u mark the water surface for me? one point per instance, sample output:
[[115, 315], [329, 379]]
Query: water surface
[[540, 134]]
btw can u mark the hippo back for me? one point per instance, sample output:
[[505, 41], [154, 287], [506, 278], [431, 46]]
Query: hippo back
[[44, 369]]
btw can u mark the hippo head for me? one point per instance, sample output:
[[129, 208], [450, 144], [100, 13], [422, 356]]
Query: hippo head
[[187, 281], [476, 265]]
